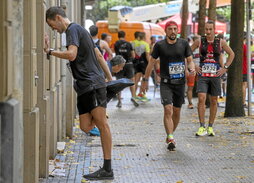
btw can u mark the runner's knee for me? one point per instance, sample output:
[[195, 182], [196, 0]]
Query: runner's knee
[[213, 101], [103, 126], [85, 128], [168, 110]]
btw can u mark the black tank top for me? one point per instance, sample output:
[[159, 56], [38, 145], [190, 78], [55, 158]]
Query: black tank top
[[210, 56]]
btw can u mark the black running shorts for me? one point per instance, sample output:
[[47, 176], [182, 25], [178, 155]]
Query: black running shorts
[[245, 78], [210, 85], [172, 94], [92, 99], [141, 67]]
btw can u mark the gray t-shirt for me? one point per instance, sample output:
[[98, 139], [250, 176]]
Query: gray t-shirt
[[86, 70]]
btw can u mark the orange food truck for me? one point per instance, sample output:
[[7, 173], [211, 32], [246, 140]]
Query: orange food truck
[[130, 27]]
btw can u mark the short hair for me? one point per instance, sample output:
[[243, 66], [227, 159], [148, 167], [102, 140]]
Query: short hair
[[142, 35], [53, 11], [136, 34], [152, 37], [93, 30], [211, 22], [104, 36], [64, 7], [118, 59], [121, 34]]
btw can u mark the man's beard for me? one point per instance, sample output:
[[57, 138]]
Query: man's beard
[[172, 38]]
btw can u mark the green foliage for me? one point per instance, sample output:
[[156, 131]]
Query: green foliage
[[100, 7], [224, 12]]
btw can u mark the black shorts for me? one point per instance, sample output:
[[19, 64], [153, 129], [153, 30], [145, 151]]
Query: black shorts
[[210, 85], [92, 99], [141, 67], [172, 94], [245, 78], [127, 72]]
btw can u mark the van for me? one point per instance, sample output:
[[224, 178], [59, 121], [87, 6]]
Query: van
[[130, 28]]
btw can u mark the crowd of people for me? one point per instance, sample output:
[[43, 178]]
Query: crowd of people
[[171, 61]]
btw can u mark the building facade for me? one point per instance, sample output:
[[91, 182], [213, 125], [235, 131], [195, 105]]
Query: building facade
[[37, 102]]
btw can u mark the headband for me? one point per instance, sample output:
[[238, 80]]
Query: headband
[[169, 23]]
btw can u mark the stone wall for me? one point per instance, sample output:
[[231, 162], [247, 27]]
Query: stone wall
[[11, 97]]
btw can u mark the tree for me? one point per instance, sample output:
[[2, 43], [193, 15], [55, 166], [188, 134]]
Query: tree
[[100, 10], [184, 14], [234, 104], [212, 10], [224, 12], [201, 17]]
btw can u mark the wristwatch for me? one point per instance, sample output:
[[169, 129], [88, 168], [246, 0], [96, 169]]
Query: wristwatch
[[50, 50], [144, 79], [226, 67]]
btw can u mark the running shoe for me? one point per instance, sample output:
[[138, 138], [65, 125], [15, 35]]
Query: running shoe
[[140, 95], [137, 98], [95, 132], [190, 106], [143, 98], [201, 131], [171, 144], [210, 131], [134, 101], [100, 174]]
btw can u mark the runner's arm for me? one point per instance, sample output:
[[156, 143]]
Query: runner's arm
[[103, 64], [195, 45], [230, 58], [106, 47], [132, 54], [147, 56], [149, 68], [191, 64], [229, 51], [221, 60], [70, 54]]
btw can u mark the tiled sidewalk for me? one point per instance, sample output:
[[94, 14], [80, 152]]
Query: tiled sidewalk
[[140, 154]]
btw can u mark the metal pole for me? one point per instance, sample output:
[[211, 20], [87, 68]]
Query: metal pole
[[248, 55]]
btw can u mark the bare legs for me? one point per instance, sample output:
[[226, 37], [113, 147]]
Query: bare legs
[[201, 108], [98, 117], [171, 118]]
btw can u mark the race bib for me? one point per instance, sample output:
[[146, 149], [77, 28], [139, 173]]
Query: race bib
[[209, 70], [176, 70]]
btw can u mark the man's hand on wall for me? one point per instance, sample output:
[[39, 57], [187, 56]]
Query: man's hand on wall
[[46, 43]]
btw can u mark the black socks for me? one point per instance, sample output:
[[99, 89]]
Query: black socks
[[202, 125], [107, 165]]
